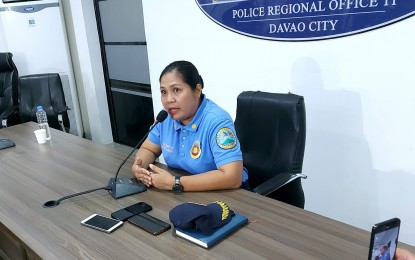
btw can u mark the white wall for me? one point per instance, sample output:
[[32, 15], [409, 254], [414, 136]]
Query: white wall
[[359, 93], [85, 52]]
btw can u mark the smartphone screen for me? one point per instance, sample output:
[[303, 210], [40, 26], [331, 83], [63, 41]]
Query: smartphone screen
[[384, 239], [128, 212], [101, 223], [149, 223]]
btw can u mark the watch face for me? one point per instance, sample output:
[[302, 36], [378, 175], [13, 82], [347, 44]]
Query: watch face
[[177, 187]]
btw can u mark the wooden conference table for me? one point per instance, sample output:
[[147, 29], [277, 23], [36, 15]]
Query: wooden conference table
[[32, 174]]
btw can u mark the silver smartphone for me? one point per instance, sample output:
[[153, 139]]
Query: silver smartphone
[[102, 223], [384, 239]]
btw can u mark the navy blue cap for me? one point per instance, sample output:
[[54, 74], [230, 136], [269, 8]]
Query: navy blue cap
[[203, 217]]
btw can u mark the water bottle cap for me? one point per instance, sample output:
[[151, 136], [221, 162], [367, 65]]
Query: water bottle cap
[[39, 108]]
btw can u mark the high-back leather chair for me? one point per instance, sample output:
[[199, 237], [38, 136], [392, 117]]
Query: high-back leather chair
[[44, 90], [9, 91], [271, 129]]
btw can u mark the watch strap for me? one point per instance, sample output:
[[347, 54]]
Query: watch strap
[[177, 186]]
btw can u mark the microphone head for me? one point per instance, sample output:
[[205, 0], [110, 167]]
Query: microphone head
[[161, 116]]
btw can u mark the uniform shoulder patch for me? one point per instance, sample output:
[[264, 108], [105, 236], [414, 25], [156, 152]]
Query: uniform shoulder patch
[[225, 138]]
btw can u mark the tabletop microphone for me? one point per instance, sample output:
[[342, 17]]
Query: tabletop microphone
[[121, 187], [54, 203], [117, 187]]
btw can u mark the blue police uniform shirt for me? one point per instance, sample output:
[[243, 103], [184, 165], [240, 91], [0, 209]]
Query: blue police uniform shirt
[[205, 144], [385, 255]]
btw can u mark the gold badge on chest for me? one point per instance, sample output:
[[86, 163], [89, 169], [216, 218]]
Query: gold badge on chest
[[196, 150]]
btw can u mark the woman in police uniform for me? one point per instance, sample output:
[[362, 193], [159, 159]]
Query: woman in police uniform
[[198, 136]]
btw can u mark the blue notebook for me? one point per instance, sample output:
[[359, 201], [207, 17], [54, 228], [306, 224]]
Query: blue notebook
[[206, 241]]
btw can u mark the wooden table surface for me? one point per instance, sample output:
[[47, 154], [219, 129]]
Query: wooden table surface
[[32, 174]]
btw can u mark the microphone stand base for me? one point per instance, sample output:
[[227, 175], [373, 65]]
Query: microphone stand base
[[125, 187]]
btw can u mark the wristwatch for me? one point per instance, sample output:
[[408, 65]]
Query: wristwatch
[[177, 187]]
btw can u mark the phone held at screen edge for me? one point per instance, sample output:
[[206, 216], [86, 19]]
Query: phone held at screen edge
[[128, 212], [384, 239], [101, 223], [149, 223]]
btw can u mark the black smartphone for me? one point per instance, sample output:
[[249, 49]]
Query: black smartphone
[[384, 239], [149, 223], [101, 223], [128, 212]]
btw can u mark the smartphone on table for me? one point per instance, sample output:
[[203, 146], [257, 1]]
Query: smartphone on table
[[149, 223], [128, 212], [6, 143], [384, 239], [101, 223]]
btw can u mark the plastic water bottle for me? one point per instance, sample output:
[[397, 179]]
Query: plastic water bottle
[[42, 120]]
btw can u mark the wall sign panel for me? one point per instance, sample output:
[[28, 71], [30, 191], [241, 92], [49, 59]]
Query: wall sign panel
[[297, 20]]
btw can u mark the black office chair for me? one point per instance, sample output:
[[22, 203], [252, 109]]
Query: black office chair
[[44, 90], [271, 129], [9, 91]]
